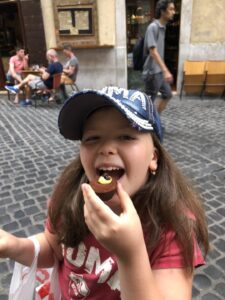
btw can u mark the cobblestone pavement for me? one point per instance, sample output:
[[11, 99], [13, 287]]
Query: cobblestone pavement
[[32, 154]]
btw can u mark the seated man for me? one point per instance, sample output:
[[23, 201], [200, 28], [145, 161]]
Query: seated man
[[45, 81], [70, 68], [17, 63]]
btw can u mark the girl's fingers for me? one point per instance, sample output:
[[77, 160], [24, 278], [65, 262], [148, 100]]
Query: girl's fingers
[[126, 203], [94, 204], [90, 198]]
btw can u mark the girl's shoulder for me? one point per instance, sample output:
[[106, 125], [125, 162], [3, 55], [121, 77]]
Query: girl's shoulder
[[168, 252]]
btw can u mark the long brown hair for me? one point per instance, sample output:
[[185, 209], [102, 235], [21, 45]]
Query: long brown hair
[[165, 202]]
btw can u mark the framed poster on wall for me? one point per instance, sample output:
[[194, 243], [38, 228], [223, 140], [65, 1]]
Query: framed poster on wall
[[76, 22]]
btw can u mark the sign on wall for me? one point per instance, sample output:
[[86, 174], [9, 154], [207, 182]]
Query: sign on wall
[[76, 22]]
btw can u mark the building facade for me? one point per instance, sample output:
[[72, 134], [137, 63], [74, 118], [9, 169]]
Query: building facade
[[103, 33]]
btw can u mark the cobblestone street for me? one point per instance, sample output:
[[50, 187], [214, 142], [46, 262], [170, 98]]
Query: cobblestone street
[[32, 154]]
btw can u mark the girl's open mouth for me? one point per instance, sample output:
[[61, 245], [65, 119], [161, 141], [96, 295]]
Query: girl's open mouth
[[115, 172]]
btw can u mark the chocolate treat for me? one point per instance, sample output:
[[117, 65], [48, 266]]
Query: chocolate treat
[[104, 187]]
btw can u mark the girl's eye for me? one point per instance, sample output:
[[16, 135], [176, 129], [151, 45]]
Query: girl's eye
[[90, 139], [127, 138]]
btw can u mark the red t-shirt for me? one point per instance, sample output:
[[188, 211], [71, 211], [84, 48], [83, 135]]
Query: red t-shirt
[[90, 272], [19, 64]]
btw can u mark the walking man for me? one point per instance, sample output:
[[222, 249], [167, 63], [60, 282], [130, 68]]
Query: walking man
[[156, 75]]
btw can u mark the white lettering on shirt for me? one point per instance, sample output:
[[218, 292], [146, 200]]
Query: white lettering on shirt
[[114, 282], [92, 265], [93, 260], [81, 254]]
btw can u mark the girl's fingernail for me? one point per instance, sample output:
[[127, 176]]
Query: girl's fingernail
[[84, 187], [119, 185]]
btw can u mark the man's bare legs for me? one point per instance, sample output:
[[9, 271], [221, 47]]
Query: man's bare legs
[[26, 80], [17, 97], [25, 83]]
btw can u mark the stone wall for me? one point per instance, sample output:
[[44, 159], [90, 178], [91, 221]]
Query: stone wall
[[202, 35]]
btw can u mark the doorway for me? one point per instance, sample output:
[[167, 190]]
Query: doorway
[[139, 14], [10, 33]]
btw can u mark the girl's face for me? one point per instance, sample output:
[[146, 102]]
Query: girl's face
[[109, 144]]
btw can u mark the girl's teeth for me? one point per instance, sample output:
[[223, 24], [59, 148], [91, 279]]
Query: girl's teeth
[[109, 169]]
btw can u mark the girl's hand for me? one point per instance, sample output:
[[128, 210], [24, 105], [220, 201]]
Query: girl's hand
[[121, 235]]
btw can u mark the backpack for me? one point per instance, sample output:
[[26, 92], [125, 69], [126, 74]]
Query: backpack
[[138, 57]]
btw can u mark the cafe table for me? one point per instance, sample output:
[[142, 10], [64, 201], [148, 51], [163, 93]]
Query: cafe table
[[30, 71]]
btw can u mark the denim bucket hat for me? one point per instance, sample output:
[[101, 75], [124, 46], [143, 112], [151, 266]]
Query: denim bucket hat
[[136, 106]]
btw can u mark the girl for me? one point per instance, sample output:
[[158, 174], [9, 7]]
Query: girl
[[143, 243]]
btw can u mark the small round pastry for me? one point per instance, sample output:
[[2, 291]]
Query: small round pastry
[[104, 187]]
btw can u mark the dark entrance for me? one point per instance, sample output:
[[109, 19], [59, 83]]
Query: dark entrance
[[139, 14], [21, 24]]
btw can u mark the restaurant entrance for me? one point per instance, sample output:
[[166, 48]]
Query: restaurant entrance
[[139, 14]]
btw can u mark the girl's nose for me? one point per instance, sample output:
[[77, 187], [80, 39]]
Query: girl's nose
[[107, 148]]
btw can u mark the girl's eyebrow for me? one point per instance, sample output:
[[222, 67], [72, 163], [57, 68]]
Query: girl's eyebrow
[[94, 130]]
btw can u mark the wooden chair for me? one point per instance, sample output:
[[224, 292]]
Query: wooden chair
[[7, 82], [194, 76], [215, 78], [41, 94], [73, 88]]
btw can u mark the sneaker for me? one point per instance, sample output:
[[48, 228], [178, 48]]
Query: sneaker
[[12, 88], [25, 103]]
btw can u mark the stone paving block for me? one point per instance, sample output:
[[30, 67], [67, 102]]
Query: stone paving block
[[220, 289], [34, 229], [217, 229], [39, 217], [31, 210], [11, 226], [211, 297], [18, 214], [5, 281], [213, 272], [20, 233], [213, 253], [5, 219], [28, 202], [214, 203], [25, 222], [3, 267], [19, 197], [221, 263], [14, 207], [2, 211]]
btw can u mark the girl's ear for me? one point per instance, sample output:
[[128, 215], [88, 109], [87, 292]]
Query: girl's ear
[[153, 165]]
